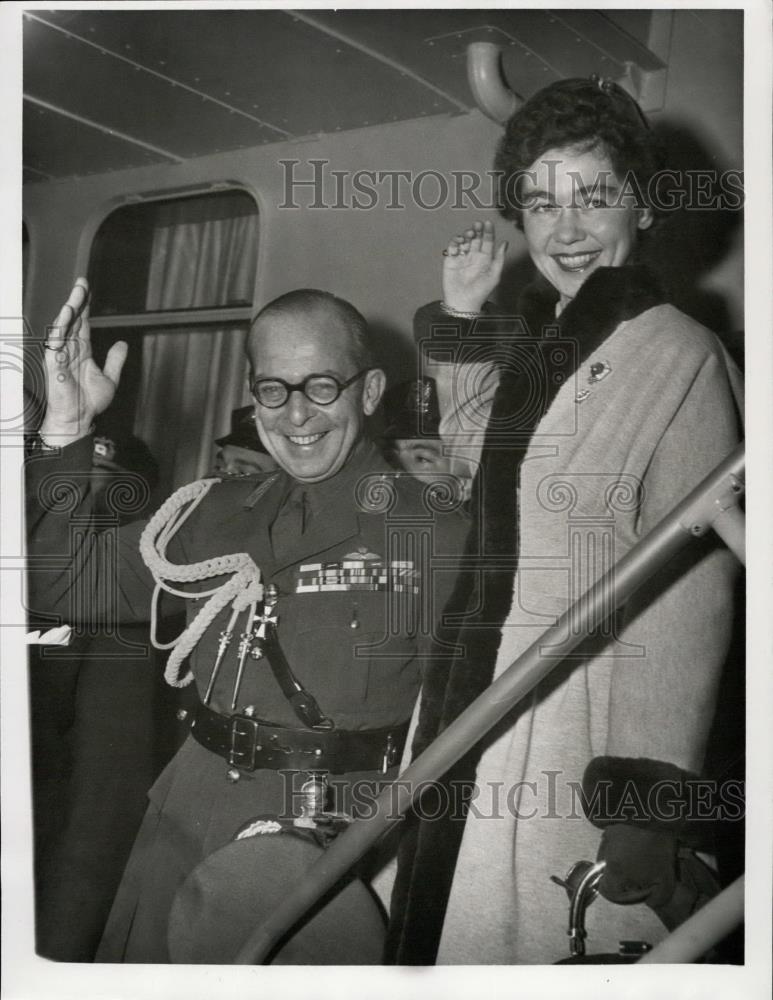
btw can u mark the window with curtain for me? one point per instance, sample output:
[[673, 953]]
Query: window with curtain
[[175, 278]]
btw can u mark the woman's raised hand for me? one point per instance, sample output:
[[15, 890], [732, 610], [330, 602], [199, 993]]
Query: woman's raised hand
[[76, 388], [472, 267]]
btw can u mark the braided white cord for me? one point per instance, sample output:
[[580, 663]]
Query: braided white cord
[[242, 590]]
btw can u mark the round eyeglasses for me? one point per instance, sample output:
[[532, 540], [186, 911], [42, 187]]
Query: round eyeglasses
[[320, 389]]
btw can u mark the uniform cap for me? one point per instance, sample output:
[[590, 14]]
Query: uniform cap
[[234, 890], [243, 433], [124, 454], [411, 409]]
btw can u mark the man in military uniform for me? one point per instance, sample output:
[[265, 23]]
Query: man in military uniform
[[337, 539], [103, 727], [411, 436]]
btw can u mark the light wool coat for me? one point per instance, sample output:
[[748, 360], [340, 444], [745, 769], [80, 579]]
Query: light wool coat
[[598, 475], [650, 407]]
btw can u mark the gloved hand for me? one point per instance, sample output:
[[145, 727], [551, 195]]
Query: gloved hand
[[641, 865]]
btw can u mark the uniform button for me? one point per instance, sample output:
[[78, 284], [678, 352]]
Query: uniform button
[[181, 714], [233, 775], [249, 711]]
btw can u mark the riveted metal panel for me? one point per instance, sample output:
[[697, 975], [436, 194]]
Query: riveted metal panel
[[61, 147], [79, 78], [605, 36], [265, 63], [193, 82], [31, 176], [539, 46]]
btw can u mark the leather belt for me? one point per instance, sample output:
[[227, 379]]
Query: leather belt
[[248, 743]]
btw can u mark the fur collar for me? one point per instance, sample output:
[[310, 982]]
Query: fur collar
[[428, 850], [610, 296]]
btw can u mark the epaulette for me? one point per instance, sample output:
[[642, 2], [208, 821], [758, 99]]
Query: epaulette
[[265, 480]]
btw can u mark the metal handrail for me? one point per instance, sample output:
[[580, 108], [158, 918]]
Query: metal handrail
[[702, 930], [713, 503]]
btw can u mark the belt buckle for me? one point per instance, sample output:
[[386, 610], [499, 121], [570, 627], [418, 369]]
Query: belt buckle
[[242, 729]]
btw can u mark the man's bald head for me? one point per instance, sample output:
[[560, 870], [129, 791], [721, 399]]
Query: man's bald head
[[299, 336], [310, 301]]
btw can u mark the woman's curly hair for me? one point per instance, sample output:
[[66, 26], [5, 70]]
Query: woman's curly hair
[[581, 114]]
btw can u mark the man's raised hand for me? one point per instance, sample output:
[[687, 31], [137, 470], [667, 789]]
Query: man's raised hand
[[77, 389]]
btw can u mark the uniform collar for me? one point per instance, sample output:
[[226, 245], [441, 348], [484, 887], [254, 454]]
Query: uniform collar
[[333, 505], [340, 488]]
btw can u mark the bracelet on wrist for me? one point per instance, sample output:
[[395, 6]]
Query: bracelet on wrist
[[459, 313], [44, 445]]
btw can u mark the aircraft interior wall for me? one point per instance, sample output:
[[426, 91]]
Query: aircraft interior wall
[[387, 259]]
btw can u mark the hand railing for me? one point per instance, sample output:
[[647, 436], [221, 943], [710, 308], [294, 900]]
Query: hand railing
[[712, 504]]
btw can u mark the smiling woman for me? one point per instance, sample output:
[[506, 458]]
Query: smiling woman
[[574, 162], [572, 223], [609, 407]]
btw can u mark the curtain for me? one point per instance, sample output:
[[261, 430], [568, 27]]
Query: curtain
[[204, 254]]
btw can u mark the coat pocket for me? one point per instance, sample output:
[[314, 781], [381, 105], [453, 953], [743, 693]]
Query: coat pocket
[[354, 651]]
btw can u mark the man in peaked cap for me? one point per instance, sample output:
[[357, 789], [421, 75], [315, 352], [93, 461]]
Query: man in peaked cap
[[323, 676], [122, 463], [241, 452], [411, 439]]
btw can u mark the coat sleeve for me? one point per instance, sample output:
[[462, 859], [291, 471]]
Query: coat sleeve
[[458, 354], [78, 569], [661, 703], [449, 542]]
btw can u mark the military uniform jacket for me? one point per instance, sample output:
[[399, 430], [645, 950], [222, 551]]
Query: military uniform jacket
[[350, 590], [338, 586]]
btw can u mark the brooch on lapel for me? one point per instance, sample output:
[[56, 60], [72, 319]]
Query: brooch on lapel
[[598, 371]]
